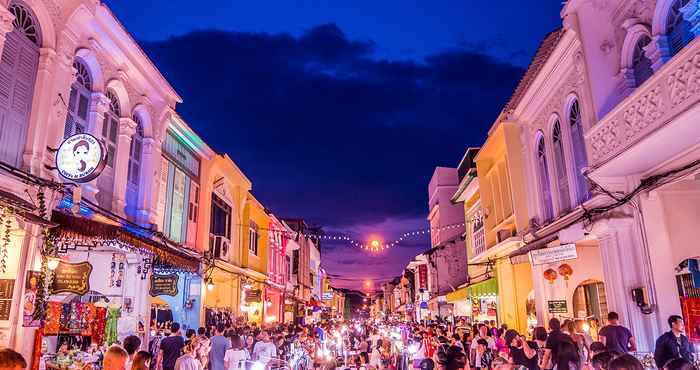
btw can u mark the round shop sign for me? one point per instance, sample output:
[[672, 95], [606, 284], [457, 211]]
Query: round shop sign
[[80, 158]]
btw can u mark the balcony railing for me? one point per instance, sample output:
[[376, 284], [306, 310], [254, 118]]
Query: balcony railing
[[669, 92]]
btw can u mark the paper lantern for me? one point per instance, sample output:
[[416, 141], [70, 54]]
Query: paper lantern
[[565, 270], [550, 275]]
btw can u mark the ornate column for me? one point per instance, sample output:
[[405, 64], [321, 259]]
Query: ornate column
[[149, 183], [6, 19], [127, 128], [99, 103]]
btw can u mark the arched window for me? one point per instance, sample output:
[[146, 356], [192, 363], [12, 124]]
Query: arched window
[[135, 152], [677, 27], [560, 168], [547, 208], [110, 127], [79, 101], [579, 148], [641, 64], [25, 23]]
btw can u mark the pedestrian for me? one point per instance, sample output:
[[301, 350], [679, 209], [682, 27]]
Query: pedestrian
[[522, 352], [188, 361], [616, 337], [484, 354], [501, 345], [539, 334], [555, 339], [679, 364], [11, 360], [115, 358], [596, 348], [235, 356], [579, 341], [600, 361], [264, 350], [142, 361], [132, 344], [567, 357], [204, 347], [170, 348], [154, 348], [672, 344], [475, 355], [218, 344], [625, 362]]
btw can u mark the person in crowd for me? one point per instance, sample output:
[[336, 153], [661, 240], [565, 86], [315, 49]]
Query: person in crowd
[[672, 344], [235, 356], [539, 334], [601, 360], [482, 333], [188, 361], [616, 337], [218, 345], [679, 364], [132, 344], [142, 361], [189, 334], [154, 348], [11, 360], [466, 342], [567, 357], [596, 348], [115, 358], [484, 354], [521, 351], [625, 362], [501, 345], [170, 348], [555, 338], [579, 341], [264, 350], [375, 357], [457, 341]]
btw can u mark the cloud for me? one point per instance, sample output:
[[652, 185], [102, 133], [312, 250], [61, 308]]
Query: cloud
[[325, 131]]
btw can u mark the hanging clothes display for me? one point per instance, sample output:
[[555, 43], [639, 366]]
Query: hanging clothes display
[[98, 329], [111, 333], [52, 323], [88, 318], [215, 316]]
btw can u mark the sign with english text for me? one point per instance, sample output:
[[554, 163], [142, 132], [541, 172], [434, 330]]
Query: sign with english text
[[80, 158]]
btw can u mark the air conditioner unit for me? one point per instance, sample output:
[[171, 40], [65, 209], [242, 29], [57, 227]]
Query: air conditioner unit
[[504, 234], [220, 247]]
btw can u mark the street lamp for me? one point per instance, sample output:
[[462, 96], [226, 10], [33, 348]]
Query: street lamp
[[368, 283]]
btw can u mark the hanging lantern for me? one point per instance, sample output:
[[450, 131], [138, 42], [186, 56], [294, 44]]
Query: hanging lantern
[[550, 275], [565, 270]]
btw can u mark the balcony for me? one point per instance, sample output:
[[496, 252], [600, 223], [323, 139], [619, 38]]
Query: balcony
[[672, 90]]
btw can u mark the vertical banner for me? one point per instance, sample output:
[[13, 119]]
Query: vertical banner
[[423, 277]]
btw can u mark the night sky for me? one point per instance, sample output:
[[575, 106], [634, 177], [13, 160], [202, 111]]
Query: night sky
[[338, 111]]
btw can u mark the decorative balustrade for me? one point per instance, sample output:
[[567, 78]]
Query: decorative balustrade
[[670, 91]]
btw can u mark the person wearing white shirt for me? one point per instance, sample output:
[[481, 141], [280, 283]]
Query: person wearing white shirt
[[236, 355], [264, 350], [483, 334]]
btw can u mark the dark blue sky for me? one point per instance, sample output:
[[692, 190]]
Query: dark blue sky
[[338, 111]]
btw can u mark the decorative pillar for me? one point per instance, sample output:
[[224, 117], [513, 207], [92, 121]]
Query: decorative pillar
[[127, 129], [99, 103], [149, 182], [658, 51], [625, 267], [6, 19]]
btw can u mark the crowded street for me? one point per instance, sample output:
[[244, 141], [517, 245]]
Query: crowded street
[[336, 185]]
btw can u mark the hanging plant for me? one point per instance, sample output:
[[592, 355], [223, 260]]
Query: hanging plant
[[45, 277], [6, 223]]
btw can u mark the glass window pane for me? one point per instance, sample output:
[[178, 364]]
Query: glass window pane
[[83, 107]]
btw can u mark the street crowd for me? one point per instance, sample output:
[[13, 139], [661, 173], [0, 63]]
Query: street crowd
[[382, 345]]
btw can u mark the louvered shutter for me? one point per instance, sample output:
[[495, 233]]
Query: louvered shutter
[[18, 66], [193, 200], [162, 193]]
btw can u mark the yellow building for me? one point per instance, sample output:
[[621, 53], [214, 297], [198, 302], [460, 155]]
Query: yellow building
[[502, 195], [224, 193], [254, 258]]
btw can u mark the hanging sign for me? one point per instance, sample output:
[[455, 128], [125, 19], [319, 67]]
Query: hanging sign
[[423, 277], [253, 295], [163, 285], [80, 158], [72, 278], [327, 296], [553, 254], [558, 306]]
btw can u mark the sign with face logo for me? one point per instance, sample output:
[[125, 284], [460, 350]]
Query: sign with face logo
[[80, 158]]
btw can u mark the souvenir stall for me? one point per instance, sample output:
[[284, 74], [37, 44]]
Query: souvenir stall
[[99, 283], [484, 299], [174, 296], [252, 301]]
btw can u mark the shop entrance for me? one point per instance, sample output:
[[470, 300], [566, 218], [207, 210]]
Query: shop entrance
[[689, 294], [590, 301]]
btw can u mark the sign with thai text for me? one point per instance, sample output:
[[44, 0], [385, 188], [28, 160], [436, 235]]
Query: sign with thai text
[[553, 254], [80, 158], [327, 296], [557, 306], [163, 285], [72, 278], [253, 295]]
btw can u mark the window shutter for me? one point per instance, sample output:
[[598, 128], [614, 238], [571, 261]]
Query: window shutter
[[162, 192], [18, 65], [192, 219], [560, 168]]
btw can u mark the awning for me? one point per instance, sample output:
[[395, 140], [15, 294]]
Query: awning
[[485, 288], [23, 209], [74, 228], [458, 295]]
